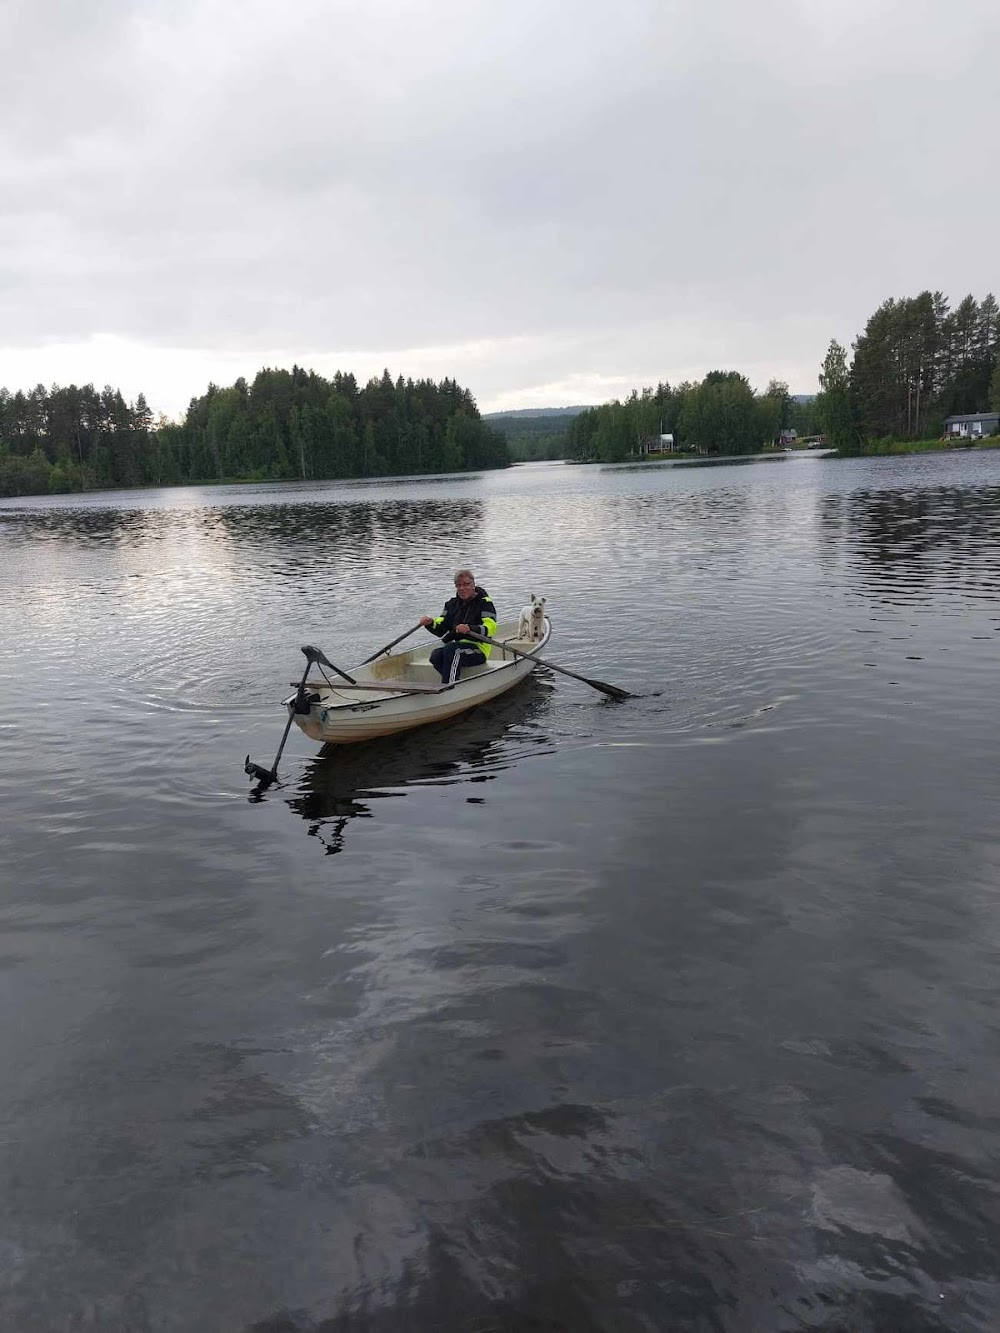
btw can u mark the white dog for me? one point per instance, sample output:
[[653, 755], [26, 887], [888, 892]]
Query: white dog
[[531, 625]]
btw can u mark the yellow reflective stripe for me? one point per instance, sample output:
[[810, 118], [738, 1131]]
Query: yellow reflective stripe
[[490, 628]]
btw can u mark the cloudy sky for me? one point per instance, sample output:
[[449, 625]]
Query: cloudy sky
[[553, 201]]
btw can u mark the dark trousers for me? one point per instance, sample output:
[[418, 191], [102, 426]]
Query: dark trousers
[[452, 658]]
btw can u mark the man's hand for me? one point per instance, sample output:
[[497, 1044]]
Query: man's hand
[[461, 629], [427, 620]]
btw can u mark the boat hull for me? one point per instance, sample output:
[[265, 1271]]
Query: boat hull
[[339, 717]]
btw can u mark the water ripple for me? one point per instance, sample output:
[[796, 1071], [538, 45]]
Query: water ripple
[[565, 1014]]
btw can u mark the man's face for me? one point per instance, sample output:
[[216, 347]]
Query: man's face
[[465, 587]]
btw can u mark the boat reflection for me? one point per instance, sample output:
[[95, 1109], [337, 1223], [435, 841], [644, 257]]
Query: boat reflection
[[344, 782]]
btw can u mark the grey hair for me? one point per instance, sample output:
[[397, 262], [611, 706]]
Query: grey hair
[[460, 572]]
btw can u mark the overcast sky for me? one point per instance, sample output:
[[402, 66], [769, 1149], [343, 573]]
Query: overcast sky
[[554, 201]]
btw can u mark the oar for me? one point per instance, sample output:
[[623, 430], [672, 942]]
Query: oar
[[391, 645], [266, 776], [612, 691]]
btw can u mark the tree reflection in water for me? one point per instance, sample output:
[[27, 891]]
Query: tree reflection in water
[[907, 542]]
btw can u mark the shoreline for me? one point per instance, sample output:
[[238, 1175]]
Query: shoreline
[[895, 448], [250, 481]]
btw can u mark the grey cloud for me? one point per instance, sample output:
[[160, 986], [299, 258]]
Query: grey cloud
[[391, 176]]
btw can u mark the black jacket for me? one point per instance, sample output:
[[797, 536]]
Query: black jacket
[[478, 613]]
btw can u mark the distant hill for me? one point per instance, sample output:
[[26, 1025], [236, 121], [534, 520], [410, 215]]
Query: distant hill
[[537, 433], [534, 433], [524, 412]]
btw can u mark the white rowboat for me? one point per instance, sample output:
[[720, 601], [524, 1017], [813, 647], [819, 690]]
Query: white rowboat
[[402, 690]]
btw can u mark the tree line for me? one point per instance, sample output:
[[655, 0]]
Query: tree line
[[720, 414], [286, 425], [916, 363]]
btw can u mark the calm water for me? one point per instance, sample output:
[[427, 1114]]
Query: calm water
[[571, 1015]]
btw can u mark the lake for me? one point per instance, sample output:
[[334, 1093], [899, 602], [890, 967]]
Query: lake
[[672, 1014]]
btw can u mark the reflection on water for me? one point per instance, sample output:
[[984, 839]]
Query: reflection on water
[[345, 781], [908, 538], [678, 1013], [348, 533]]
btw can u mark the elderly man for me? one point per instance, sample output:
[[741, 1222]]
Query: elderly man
[[469, 609]]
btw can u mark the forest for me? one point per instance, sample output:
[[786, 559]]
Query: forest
[[916, 363], [286, 425], [720, 415]]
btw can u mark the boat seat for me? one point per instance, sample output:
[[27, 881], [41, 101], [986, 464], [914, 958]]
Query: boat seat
[[421, 673]]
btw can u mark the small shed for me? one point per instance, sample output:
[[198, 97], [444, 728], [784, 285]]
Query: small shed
[[972, 425], [657, 444]]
